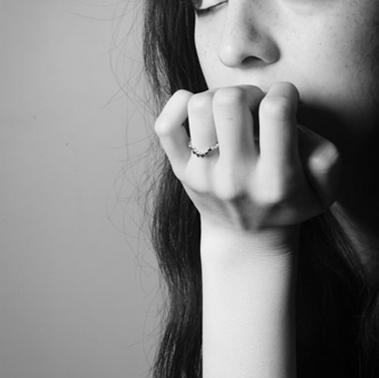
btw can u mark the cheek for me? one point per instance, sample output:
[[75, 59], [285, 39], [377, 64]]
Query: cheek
[[204, 51], [333, 59], [207, 40]]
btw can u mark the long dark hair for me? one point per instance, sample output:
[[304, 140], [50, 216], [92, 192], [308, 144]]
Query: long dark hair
[[337, 308]]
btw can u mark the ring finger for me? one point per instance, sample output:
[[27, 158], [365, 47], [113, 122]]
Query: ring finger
[[201, 124]]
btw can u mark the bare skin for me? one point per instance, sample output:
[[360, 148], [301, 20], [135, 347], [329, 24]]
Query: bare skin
[[260, 59]]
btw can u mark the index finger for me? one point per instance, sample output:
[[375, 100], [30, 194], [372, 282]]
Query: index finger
[[170, 130]]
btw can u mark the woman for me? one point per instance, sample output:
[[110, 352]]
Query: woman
[[266, 215]]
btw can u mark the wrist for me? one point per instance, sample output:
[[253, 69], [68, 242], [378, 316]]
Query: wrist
[[266, 244], [248, 302]]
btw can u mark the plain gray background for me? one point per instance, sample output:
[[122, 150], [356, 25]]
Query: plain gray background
[[78, 283]]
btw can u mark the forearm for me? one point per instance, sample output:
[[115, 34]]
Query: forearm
[[239, 189], [248, 309]]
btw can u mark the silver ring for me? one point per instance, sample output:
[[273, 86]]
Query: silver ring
[[202, 154]]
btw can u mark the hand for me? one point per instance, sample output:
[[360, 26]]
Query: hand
[[285, 177]]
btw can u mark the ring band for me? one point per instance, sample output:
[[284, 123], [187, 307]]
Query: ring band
[[202, 154]]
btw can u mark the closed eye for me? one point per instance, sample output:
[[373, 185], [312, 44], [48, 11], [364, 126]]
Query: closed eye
[[200, 12]]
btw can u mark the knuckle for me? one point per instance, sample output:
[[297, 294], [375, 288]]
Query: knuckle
[[277, 107], [200, 103], [167, 120], [163, 125], [179, 174], [271, 197], [180, 98], [325, 158], [231, 187], [286, 88], [272, 191], [182, 94], [227, 192], [229, 97], [227, 187], [195, 178]]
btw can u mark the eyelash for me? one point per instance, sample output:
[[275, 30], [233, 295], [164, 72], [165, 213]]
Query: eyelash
[[205, 11]]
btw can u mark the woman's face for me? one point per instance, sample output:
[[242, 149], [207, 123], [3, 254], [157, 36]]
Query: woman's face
[[324, 47]]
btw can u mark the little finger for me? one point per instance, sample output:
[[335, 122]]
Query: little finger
[[170, 130]]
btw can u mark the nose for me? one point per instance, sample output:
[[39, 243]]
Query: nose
[[246, 38]]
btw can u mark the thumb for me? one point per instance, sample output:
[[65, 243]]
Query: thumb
[[322, 164]]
